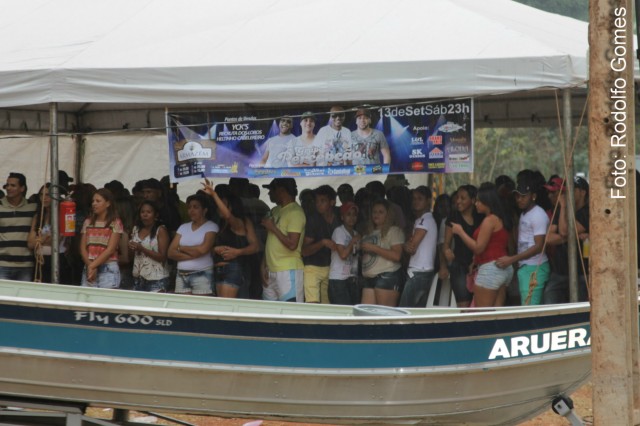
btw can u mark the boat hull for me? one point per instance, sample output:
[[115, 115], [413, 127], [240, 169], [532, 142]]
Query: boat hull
[[288, 361]]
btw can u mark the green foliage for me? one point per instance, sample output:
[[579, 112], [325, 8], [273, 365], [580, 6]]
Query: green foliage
[[507, 151]]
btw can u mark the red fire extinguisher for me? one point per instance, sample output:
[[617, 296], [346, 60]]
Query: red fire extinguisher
[[67, 218]]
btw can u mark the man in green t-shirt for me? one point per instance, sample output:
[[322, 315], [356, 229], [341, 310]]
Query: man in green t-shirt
[[283, 267]]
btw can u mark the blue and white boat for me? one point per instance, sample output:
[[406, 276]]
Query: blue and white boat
[[296, 362]]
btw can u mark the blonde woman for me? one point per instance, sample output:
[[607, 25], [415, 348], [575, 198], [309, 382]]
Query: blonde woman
[[382, 250]]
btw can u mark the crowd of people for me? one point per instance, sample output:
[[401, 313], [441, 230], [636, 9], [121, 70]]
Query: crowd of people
[[382, 244]]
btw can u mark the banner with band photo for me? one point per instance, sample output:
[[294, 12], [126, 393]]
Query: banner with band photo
[[433, 137]]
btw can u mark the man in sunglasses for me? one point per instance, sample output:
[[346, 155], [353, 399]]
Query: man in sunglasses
[[16, 214], [334, 140], [276, 146]]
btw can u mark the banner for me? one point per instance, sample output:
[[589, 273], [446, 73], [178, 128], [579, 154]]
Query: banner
[[433, 137]]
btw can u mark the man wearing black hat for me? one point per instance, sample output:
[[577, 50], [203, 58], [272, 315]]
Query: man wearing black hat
[[16, 260], [368, 144], [334, 140], [283, 277]]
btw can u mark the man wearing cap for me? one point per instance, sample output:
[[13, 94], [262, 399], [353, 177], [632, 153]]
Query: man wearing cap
[[368, 143], [531, 258], [334, 140], [283, 275], [16, 214], [303, 151], [275, 147], [318, 245]]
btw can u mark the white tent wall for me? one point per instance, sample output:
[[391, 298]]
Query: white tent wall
[[29, 155]]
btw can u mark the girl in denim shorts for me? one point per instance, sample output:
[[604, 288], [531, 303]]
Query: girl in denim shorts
[[191, 248], [382, 251], [489, 243], [149, 243], [101, 233], [235, 242]]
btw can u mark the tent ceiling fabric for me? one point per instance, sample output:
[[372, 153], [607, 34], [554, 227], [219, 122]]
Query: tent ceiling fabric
[[245, 51]]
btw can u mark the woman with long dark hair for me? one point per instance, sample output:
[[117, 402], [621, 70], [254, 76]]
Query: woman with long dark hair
[[101, 234], [457, 255], [490, 241], [149, 244], [40, 241], [235, 242]]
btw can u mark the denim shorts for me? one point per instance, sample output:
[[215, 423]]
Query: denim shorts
[[152, 286], [230, 274], [386, 281], [491, 277], [108, 276], [194, 282]]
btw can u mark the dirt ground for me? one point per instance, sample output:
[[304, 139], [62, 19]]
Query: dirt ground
[[581, 399]]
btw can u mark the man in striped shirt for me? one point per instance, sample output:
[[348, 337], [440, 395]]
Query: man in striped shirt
[[16, 214]]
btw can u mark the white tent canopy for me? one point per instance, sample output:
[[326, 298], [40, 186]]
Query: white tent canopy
[[244, 51]]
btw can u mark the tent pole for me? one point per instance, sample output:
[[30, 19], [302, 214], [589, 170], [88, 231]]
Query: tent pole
[[55, 192], [572, 245], [611, 129]]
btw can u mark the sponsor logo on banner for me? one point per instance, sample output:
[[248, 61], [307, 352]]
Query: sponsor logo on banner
[[436, 166], [416, 166], [417, 153], [436, 153], [417, 140], [458, 149], [435, 139], [459, 157]]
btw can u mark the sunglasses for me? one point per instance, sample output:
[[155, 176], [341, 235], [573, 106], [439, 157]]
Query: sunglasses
[[340, 115]]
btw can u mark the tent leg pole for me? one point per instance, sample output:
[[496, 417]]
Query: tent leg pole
[[54, 191]]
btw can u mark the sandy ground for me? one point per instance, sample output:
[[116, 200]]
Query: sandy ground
[[581, 399]]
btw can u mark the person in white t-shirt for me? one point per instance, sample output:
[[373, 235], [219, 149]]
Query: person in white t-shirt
[[191, 248], [275, 152], [422, 248], [334, 141], [302, 151], [531, 257], [343, 285]]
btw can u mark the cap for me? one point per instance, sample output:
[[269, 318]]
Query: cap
[[64, 177], [287, 183], [307, 114], [523, 188], [581, 183], [555, 184], [363, 111], [348, 206]]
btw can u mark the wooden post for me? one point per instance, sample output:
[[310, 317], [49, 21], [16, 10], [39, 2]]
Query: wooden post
[[611, 131]]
